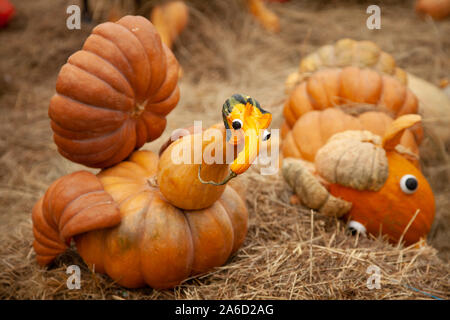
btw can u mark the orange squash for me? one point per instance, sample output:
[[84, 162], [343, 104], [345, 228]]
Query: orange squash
[[350, 86], [364, 179], [124, 227], [114, 94], [437, 9], [170, 20], [268, 19], [312, 131]]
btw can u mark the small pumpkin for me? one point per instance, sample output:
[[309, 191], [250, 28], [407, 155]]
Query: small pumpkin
[[363, 178], [268, 19], [347, 52], [170, 20], [114, 94], [312, 131], [437, 9], [351, 86]]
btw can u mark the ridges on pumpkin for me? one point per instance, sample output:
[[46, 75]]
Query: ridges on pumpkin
[[113, 95]]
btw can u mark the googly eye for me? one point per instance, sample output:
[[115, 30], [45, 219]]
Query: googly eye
[[355, 227], [409, 184], [237, 124], [266, 135]]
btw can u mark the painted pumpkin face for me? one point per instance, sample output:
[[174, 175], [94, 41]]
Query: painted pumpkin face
[[405, 198]]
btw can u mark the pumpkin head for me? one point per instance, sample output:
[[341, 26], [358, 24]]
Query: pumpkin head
[[352, 87], [114, 94], [132, 233], [376, 187]]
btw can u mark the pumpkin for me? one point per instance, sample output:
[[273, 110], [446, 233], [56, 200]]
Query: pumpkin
[[364, 179], [312, 131], [170, 20], [123, 226], [268, 19], [437, 9], [114, 94], [347, 52], [350, 86]]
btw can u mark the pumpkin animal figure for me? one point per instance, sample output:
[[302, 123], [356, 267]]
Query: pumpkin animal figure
[[153, 221], [366, 180]]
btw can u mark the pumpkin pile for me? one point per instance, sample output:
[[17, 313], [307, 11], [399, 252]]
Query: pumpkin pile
[[354, 124], [146, 220]]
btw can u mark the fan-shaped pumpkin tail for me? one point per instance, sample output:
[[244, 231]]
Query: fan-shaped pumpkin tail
[[72, 205]]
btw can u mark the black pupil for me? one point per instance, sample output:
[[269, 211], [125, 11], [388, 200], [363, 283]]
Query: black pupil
[[411, 184], [267, 137], [236, 125]]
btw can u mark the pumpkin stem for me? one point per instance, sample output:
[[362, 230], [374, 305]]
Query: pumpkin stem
[[230, 176]]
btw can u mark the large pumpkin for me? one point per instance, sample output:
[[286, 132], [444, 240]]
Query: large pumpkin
[[312, 131], [114, 94], [350, 86], [124, 227]]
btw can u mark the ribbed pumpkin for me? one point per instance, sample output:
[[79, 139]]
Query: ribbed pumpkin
[[361, 177], [312, 131], [114, 94], [124, 227], [344, 53], [350, 86]]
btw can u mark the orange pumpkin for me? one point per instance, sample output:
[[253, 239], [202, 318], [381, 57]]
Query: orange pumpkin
[[268, 19], [437, 9], [314, 128], [364, 179], [347, 52], [170, 20], [124, 227], [114, 94], [350, 86]]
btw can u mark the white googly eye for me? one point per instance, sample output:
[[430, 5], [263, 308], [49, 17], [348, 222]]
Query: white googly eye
[[237, 124], [266, 135], [355, 227], [409, 184]]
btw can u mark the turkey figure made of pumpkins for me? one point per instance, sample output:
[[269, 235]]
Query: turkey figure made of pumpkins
[[151, 220], [366, 180]]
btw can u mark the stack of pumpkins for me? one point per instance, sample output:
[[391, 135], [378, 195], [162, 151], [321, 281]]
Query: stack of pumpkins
[[353, 124], [142, 219]]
